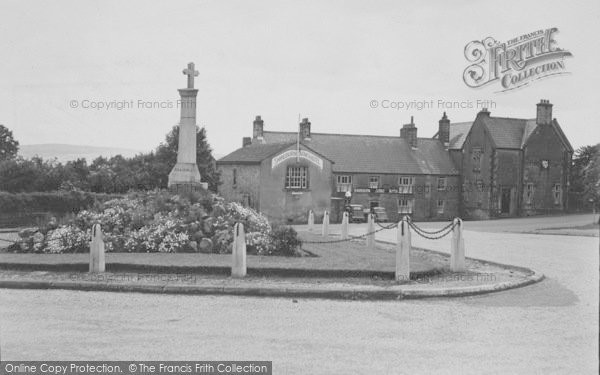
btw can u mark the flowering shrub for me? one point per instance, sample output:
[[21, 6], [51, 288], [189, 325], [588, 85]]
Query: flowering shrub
[[67, 239], [158, 221]]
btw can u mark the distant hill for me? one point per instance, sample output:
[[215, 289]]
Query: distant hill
[[64, 152]]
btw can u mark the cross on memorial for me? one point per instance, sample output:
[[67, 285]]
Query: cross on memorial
[[191, 73]]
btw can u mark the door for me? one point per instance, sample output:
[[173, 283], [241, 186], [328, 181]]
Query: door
[[505, 203]]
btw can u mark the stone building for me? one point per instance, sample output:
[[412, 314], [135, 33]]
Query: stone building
[[510, 166], [489, 167]]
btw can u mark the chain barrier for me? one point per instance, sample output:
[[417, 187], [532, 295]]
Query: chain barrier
[[430, 235], [393, 225], [435, 235]]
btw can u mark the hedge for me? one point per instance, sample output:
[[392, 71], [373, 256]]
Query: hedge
[[58, 202]]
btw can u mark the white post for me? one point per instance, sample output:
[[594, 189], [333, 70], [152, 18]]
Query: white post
[[457, 255], [403, 251], [371, 229], [238, 267], [311, 220], [325, 231], [97, 263], [345, 226]]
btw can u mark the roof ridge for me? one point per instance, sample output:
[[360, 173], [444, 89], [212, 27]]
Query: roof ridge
[[509, 118], [345, 135]]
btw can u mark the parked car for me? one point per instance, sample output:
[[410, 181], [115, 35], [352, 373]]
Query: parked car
[[356, 212], [380, 214]]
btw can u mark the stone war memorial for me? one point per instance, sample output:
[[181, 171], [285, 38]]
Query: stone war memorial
[[185, 175]]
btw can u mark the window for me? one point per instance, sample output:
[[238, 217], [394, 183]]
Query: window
[[234, 176], [373, 182], [441, 183], [557, 193], [405, 205], [373, 204], [405, 184], [344, 183], [477, 159], [440, 206], [296, 178], [529, 189]]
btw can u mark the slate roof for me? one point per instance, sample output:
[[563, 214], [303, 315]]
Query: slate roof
[[254, 153], [358, 153], [506, 132], [458, 134]]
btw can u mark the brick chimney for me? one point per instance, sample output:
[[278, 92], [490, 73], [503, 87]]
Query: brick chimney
[[484, 112], [246, 141], [305, 129], [444, 130], [409, 131], [544, 112], [257, 129]]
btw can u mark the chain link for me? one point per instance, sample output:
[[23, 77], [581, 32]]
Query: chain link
[[432, 235], [393, 225]]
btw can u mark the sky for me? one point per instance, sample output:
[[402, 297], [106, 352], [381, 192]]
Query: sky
[[325, 60]]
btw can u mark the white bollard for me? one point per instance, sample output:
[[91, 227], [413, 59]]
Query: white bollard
[[325, 229], [238, 251], [97, 263], [457, 255], [345, 226], [371, 229], [311, 220], [403, 251]]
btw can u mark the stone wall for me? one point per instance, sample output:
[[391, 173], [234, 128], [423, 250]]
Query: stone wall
[[425, 194], [477, 176], [246, 190], [292, 205], [546, 164]]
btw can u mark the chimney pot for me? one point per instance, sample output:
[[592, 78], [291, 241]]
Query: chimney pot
[[444, 130], [258, 127], [305, 128], [409, 132], [544, 112]]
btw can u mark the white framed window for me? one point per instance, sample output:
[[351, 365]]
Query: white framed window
[[440, 206], [373, 182], [557, 193], [405, 184], [344, 183], [405, 205], [441, 183], [529, 190], [296, 178]]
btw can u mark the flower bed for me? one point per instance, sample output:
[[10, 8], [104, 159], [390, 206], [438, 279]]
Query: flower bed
[[158, 221]]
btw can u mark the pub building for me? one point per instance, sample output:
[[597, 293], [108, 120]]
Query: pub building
[[489, 167]]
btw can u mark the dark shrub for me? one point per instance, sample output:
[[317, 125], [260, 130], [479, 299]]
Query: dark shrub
[[285, 241]]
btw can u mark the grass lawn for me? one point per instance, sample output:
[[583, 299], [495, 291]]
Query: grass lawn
[[341, 259]]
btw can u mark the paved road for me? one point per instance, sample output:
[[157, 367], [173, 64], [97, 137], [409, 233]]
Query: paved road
[[549, 327]]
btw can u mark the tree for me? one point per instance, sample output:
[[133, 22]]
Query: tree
[[591, 178], [582, 158], [8, 145], [166, 155], [585, 174]]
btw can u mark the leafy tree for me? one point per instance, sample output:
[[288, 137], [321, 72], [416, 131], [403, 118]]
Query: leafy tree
[[8, 145], [582, 158], [166, 155], [591, 177]]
